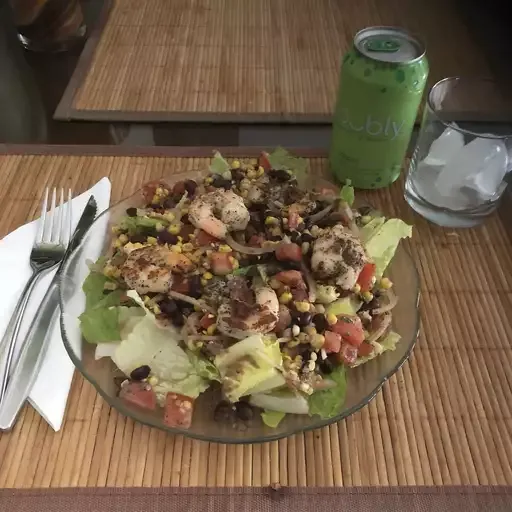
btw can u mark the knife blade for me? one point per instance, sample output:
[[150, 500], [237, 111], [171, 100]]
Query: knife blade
[[36, 342]]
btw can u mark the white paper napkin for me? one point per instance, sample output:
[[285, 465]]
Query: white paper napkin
[[50, 392]]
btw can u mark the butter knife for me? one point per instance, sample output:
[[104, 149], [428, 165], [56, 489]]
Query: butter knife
[[35, 345]]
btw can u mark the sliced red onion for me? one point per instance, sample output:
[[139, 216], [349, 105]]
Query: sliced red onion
[[245, 249], [392, 301], [191, 300]]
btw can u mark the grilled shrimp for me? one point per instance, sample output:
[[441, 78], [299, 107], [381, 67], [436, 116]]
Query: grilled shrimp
[[340, 255], [219, 212], [149, 269], [262, 320]]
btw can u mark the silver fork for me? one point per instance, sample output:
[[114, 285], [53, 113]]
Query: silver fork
[[54, 233]]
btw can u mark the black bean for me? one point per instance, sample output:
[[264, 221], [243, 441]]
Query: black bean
[[365, 210], [244, 411], [307, 237], [168, 307], [296, 237], [177, 319], [131, 212], [304, 319], [280, 175], [195, 288], [138, 239], [301, 226], [140, 373], [220, 182], [237, 174], [164, 237], [320, 323], [275, 238], [107, 292], [289, 265], [170, 202], [295, 315], [326, 366], [373, 304], [185, 219], [224, 412], [190, 187]]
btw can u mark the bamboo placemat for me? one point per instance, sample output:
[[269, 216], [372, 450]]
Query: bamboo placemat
[[244, 61], [443, 419]]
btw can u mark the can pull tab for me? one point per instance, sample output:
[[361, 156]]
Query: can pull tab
[[383, 45]]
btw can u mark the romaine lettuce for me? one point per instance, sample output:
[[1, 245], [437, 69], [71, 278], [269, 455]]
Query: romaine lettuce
[[327, 403]]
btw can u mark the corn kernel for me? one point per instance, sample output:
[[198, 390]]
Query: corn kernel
[[384, 283], [169, 216], [357, 288], [295, 330], [187, 247], [313, 356], [331, 319], [310, 330], [123, 239], [260, 171], [271, 221], [285, 298], [302, 306], [292, 344], [197, 308], [159, 226], [118, 244], [153, 381], [211, 330], [152, 240], [176, 248], [204, 282], [116, 230], [225, 248], [156, 199], [366, 219], [367, 296], [311, 366], [110, 285], [174, 229], [156, 309], [235, 164], [235, 264], [109, 270], [251, 174], [208, 181], [208, 275], [253, 161]]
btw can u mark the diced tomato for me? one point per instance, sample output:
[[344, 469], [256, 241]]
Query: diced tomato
[[136, 393], [289, 252], [293, 219], [291, 278], [332, 342], [180, 284], [365, 349], [178, 410], [264, 161], [207, 320], [366, 277], [220, 263], [347, 354], [256, 240], [149, 189], [350, 328], [204, 238]]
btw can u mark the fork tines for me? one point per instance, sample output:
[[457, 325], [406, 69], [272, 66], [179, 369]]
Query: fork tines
[[55, 226]]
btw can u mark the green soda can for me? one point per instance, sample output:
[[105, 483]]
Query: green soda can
[[382, 80]]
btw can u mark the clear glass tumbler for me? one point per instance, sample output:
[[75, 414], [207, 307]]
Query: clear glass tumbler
[[48, 25], [463, 157]]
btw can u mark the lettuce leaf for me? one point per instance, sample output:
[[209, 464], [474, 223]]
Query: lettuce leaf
[[135, 225], [280, 158], [382, 243], [347, 193], [327, 403], [93, 287], [206, 369], [219, 165], [272, 418], [147, 344]]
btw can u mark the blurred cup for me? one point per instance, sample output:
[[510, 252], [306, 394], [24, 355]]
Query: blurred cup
[[48, 25]]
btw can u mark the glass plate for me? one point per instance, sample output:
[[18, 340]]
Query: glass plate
[[362, 382]]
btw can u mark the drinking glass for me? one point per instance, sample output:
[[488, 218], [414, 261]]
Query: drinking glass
[[463, 157], [48, 25]]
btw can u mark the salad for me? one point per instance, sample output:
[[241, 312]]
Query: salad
[[247, 281]]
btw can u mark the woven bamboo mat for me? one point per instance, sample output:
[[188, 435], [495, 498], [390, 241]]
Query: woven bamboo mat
[[443, 419], [244, 61]]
